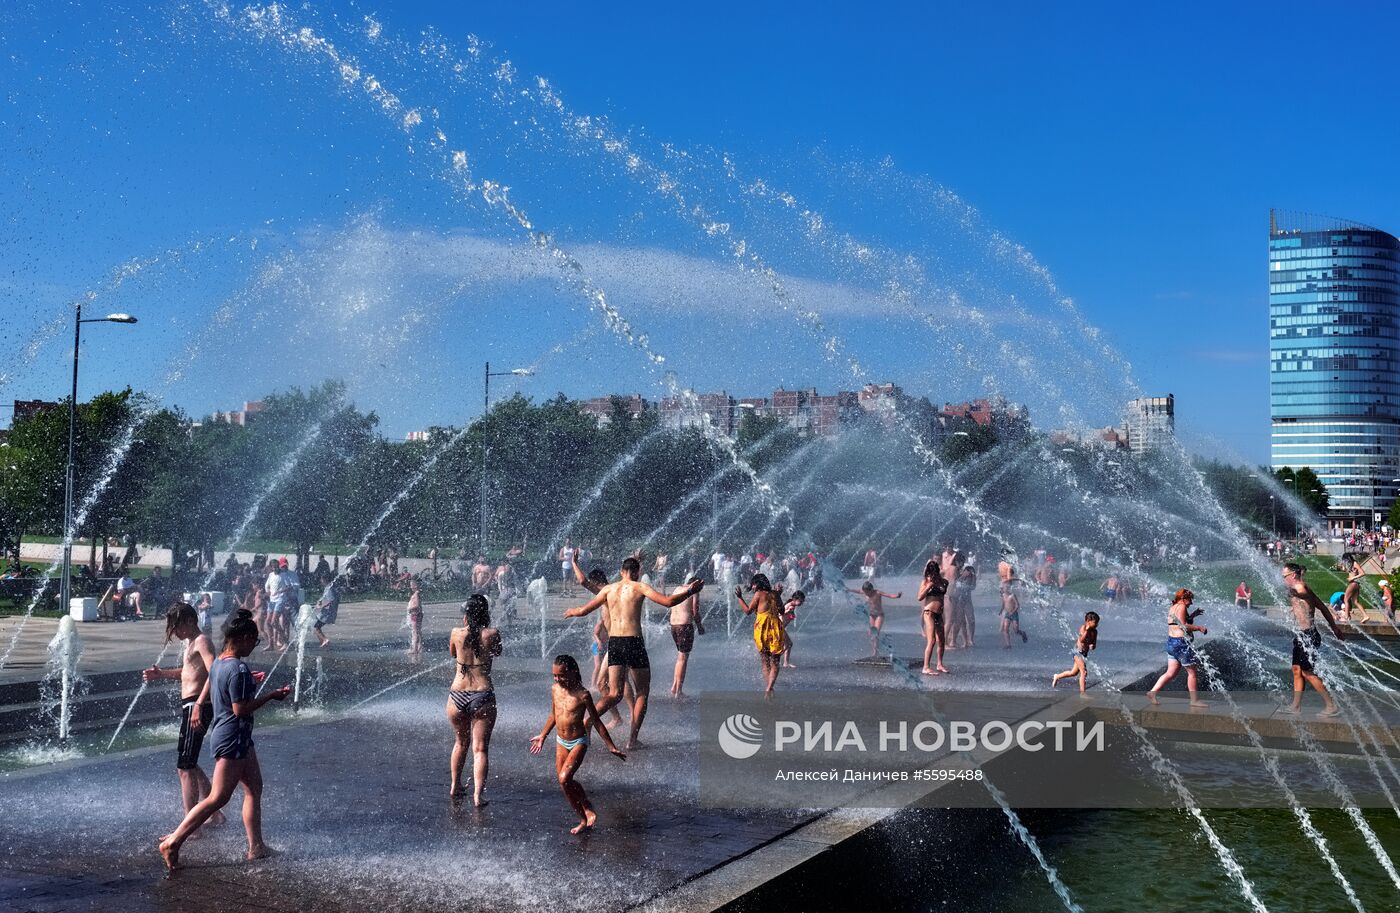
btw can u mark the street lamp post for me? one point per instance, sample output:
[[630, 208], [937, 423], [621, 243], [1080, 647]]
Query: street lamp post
[[485, 408], [65, 584]]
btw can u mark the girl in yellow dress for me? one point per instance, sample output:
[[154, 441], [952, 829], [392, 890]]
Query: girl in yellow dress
[[767, 610]]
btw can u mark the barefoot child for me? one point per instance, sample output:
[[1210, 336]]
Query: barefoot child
[[933, 593], [572, 713], [875, 606], [1010, 613], [231, 688], [593, 582], [767, 611], [789, 617], [1088, 640], [182, 622]]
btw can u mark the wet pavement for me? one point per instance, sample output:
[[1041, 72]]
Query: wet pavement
[[356, 798]]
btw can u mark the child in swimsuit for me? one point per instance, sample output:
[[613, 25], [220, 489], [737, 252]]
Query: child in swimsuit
[[1088, 640], [1010, 614], [875, 606], [789, 616], [572, 714]]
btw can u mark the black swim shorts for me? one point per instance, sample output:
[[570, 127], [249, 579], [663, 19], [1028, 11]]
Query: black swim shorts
[[191, 739], [628, 651]]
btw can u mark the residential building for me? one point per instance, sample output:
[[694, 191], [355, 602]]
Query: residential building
[[241, 416], [600, 408]]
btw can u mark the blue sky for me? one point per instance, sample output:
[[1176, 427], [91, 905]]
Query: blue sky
[[1134, 151]]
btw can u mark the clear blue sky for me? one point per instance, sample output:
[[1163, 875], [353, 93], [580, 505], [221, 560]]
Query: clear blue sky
[[1133, 150]]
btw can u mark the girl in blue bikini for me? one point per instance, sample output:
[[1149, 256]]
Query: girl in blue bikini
[[572, 714], [1180, 654]]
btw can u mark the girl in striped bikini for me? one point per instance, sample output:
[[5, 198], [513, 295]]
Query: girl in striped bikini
[[471, 704]]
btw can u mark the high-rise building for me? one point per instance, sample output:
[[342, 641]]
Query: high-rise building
[[1334, 390], [1150, 422]]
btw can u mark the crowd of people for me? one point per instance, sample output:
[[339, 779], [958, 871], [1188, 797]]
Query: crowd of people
[[219, 693]]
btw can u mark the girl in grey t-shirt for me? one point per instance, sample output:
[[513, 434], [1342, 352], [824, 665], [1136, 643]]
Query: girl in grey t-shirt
[[231, 688]]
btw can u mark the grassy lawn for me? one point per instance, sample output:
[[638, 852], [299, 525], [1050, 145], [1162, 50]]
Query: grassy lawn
[[48, 607], [1220, 582]]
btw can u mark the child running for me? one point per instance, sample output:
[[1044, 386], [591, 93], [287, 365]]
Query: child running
[[231, 689], [1010, 613], [875, 606], [572, 713], [1352, 608], [1088, 640]]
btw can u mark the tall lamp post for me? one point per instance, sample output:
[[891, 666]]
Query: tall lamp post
[[68, 531], [485, 408]]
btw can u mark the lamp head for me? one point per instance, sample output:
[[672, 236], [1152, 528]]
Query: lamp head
[[119, 318]]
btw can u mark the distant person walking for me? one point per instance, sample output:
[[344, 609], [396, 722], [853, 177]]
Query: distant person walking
[[415, 619]]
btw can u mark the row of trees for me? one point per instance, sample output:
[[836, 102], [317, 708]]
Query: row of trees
[[312, 468], [1268, 502]]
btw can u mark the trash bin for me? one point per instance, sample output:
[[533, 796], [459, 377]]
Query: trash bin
[[83, 608]]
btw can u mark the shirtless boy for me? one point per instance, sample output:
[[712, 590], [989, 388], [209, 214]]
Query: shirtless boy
[[685, 624], [182, 622], [572, 715], [1010, 612]]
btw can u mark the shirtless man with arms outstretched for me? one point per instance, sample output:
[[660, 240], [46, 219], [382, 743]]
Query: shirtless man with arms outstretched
[[1306, 640], [626, 649]]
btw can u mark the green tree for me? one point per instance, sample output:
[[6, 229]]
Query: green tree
[[1308, 488], [964, 439], [318, 435]]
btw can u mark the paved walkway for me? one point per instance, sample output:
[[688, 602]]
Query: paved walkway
[[356, 797], [125, 646]]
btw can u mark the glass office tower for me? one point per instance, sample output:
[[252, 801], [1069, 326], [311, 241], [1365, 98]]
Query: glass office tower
[[1334, 359]]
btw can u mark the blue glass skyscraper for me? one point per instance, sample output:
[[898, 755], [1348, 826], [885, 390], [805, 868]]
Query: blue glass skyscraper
[[1334, 359]]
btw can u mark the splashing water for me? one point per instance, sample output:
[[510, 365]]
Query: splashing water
[[306, 617], [65, 650], [140, 691]]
